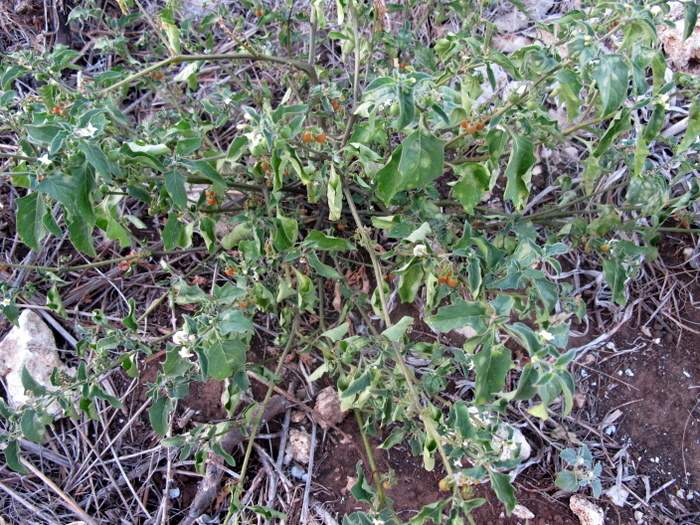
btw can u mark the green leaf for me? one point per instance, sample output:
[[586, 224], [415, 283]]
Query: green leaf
[[130, 320], [269, 513], [620, 123], [233, 321], [362, 490], [73, 192], [335, 195], [97, 159], [526, 385], [396, 332], [42, 134], [12, 457], [473, 183], [690, 19], [539, 411], [322, 269], [159, 414], [410, 282], [320, 241], [525, 336], [175, 184], [568, 91], [693, 130], [491, 365], [566, 480], [53, 301], [518, 174], [420, 233], [285, 234], [149, 149], [611, 76], [29, 383], [407, 107], [337, 333], [458, 315], [171, 232], [397, 436], [224, 357], [80, 233], [461, 421], [420, 161], [656, 121], [615, 276], [32, 426], [387, 178], [30, 214], [208, 172], [503, 489], [187, 146]]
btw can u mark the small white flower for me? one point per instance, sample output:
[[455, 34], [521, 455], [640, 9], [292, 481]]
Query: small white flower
[[86, 132], [44, 159], [419, 250], [545, 335], [180, 337], [5, 302], [184, 353]]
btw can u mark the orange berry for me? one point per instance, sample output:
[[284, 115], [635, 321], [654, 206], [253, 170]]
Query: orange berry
[[452, 282], [479, 125], [336, 105], [259, 12], [230, 271], [211, 198], [243, 304], [58, 110], [307, 137], [321, 138]]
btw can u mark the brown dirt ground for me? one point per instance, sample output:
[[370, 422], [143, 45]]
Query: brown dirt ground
[[412, 487], [657, 390]]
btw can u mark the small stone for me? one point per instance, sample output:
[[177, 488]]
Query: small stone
[[31, 344], [328, 408], [299, 447], [297, 416], [588, 513], [522, 512]]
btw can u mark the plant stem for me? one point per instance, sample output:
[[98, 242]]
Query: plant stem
[[96, 264], [177, 59], [372, 462], [414, 397], [261, 411]]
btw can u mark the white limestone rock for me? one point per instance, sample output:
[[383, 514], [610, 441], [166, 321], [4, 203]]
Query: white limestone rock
[[31, 345]]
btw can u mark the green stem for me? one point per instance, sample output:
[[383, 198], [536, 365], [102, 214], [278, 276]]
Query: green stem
[[96, 264], [177, 59], [261, 411], [376, 478]]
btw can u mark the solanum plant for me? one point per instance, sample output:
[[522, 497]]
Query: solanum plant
[[372, 164]]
